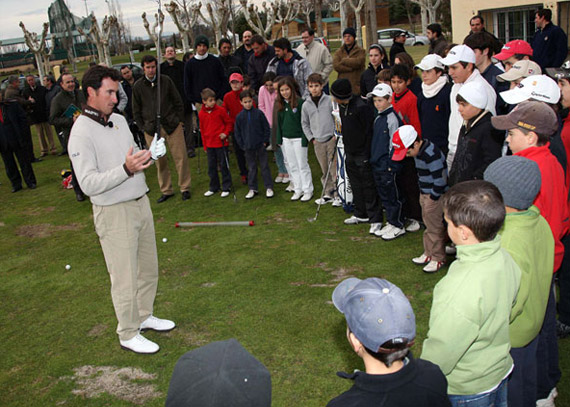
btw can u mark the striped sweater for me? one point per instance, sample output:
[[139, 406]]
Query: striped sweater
[[432, 170]]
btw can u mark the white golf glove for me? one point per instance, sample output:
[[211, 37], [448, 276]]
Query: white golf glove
[[157, 148]]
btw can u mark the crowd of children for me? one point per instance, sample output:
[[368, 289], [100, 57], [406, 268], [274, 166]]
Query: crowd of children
[[431, 153]]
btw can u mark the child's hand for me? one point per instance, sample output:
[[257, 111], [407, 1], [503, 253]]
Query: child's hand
[[314, 141], [223, 136]]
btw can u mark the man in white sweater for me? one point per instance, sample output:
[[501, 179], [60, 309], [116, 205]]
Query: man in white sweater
[[110, 168], [461, 63], [317, 54]]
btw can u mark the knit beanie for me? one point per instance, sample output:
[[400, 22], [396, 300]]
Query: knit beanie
[[349, 30], [341, 89], [517, 178], [202, 39]]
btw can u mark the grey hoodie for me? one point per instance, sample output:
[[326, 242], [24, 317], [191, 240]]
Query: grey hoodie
[[318, 122]]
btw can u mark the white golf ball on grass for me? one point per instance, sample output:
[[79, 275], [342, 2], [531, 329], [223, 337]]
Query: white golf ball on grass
[[67, 267], [164, 240]]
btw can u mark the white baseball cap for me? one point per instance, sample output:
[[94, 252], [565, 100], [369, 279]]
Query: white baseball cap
[[380, 90], [430, 61], [475, 94], [520, 69], [459, 53], [536, 87]]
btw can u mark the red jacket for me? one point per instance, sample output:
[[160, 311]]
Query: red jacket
[[214, 122], [233, 105], [406, 105], [565, 136], [552, 197]]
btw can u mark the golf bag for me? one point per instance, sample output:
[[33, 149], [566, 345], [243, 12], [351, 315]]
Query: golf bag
[[343, 187]]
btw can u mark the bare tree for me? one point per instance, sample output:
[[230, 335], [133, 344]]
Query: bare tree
[[306, 7], [357, 7], [156, 37], [100, 37], [371, 23], [340, 5], [38, 48], [287, 11], [429, 11], [185, 17], [253, 17], [319, 17], [218, 16]]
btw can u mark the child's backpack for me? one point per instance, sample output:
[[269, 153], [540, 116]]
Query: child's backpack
[[343, 187]]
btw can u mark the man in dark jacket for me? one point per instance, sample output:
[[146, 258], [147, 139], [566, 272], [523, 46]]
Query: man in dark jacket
[[13, 94], [244, 52], [263, 53], [397, 46], [550, 43], [477, 24], [13, 133], [203, 71], [127, 82], [437, 42], [62, 117], [38, 114], [145, 101]]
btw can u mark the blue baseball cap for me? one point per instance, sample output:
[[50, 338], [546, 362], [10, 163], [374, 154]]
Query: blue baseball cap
[[376, 311]]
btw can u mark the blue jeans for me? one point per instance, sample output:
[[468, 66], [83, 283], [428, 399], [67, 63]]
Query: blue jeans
[[279, 160], [496, 398]]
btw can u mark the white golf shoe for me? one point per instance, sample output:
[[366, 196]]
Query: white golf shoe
[[296, 196], [374, 227], [139, 344], [354, 220], [157, 324], [209, 193], [269, 193], [225, 194]]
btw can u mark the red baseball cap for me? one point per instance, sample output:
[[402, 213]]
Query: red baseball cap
[[514, 47], [236, 77], [403, 138]]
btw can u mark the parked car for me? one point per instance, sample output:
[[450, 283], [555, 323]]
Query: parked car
[[386, 36], [135, 67], [296, 41]]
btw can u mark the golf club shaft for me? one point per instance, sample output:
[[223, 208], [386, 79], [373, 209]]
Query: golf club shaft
[[325, 184], [200, 224], [228, 167]]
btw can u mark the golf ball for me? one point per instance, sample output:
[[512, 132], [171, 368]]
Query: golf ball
[[68, 267], [164, 240]]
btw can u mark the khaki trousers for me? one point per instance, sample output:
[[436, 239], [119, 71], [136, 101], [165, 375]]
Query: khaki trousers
[[326, 153], [126, 234], [177, 147], [45, 135], [435, 234]]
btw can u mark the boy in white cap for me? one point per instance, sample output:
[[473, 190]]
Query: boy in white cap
[[434, 106], [478, 144], [519, 70], [432, 179], [461, 63], [381, 328], [384, 169]]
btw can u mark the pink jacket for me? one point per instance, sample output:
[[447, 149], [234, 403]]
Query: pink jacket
[[266, 101]]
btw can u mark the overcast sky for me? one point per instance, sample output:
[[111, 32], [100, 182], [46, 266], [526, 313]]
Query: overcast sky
[[33, 13]]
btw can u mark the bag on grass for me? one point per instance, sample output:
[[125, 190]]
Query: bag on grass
[[343, 187]]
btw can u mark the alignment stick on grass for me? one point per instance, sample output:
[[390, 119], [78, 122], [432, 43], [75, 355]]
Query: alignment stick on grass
[[198, 224]]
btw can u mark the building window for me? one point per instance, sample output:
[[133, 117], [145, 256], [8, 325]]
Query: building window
[[515, 24]]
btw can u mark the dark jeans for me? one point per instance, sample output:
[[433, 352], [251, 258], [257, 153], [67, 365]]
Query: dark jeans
[[12, 168], [252, 157], [240, 156], [219, 156], [522, 381], [364, 193], [548, 371], [564, 284], [407, 183], [390, 196]]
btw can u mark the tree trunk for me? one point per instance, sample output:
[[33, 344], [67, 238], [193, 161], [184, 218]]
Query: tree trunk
[[40, 64], [343, 16], [319, 17], [424, 14], [409, 13], [371, 24]]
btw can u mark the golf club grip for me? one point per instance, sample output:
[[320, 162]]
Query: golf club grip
[[199, 224]]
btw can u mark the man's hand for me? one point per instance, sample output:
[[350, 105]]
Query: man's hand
[[138, 161], [157, 148], [223, 136]]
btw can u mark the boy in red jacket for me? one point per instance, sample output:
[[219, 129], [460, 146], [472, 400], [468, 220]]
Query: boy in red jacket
[[215, 125]]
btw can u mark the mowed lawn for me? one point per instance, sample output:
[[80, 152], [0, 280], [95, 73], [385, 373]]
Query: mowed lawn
[[269, 286]]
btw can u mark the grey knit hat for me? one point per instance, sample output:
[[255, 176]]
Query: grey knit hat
[[517, 178], [202, 39]]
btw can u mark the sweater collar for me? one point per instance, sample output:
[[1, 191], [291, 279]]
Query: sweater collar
[[97, 116]]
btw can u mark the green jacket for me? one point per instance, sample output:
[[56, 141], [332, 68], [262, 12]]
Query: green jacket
[[145, 105], [289, 124], [59, 105], [468, 333], [528, 239]]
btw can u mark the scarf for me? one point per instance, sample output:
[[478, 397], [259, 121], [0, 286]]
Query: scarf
[[430, 91]]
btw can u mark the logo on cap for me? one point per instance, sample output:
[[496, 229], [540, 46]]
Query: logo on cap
[[526, 125]]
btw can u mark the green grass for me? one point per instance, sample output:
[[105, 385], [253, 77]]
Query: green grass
[[269, 286]]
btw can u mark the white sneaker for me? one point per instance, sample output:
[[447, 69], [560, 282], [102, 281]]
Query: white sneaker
[[413, 226], [353, 220], [209, 193], [269, 193], [285, 179], [385, 229], [549, 401], [250, 194], [139, 344], [296, 196], [157, 324], [374, 227], [393, 233], [290, 188], [324, 200], [278, 179], [337, 202], [225, 194], [306, 197], [433, 266], [423, 259]]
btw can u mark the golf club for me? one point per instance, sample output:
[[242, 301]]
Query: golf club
[[231, 223], [323, 191], [228, 167]]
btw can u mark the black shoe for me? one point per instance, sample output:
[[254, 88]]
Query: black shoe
[[164, 198], [185, 195], [36, 160], [80, 197], [562, 330], [16, 189], [32, 186], [191, 154], [64, 152]]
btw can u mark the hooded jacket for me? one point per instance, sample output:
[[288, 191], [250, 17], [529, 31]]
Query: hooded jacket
[[299, 68]]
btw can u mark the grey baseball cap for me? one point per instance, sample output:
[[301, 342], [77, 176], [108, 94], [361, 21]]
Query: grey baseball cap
[[534, 116], [376, 311]]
